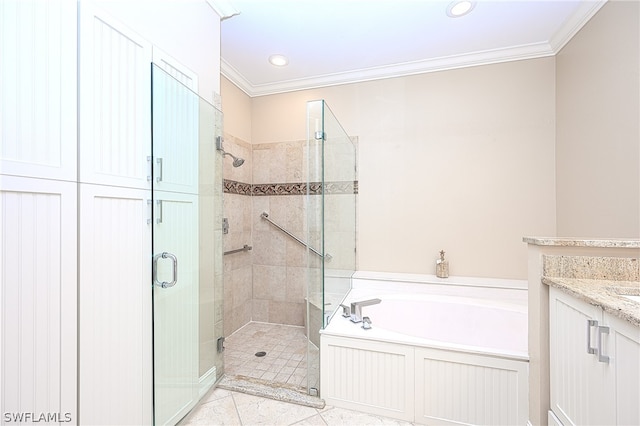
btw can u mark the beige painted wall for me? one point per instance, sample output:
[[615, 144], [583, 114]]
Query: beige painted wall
[[598, 130], [236, 106], [461, 160]]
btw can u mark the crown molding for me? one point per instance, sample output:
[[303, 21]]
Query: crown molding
[[236, 78], [574, 24], [396, 70], [223, 8], [585, 12]]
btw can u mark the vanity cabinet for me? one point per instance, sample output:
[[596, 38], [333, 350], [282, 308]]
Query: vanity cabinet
[[595, 364]]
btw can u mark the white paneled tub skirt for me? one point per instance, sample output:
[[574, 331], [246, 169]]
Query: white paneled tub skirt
[[439, 351]]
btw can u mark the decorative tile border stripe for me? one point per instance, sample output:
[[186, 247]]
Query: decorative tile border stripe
[[233, 187], [283, 189], [345, 187], [297, 188]]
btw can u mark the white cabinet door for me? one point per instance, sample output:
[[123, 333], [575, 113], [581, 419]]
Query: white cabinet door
[[175, 308], [38, 301], [579, 381], [175, 128], [480, 390], [175, 69], [115, 306], [623, 348], [115, 93], [38, 87]]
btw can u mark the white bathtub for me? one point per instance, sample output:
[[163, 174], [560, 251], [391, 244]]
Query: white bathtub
[[439, 351]]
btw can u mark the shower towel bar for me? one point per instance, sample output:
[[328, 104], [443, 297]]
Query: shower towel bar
[[244, 248], [265, 216]]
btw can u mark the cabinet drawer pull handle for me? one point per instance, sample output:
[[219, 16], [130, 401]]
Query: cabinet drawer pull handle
[[590, 323], [601, 357]]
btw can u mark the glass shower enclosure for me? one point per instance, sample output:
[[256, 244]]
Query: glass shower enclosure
[[332, 187], [187, 246]]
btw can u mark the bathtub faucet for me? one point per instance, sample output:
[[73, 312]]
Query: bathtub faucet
[[356, 308]]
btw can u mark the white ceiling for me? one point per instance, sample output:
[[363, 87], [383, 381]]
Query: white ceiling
[[341, 41]]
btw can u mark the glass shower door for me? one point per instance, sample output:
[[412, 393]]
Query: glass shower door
[[184, 248], [331, 224], [339, 183]]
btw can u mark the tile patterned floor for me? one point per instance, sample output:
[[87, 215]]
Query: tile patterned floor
[[223, 407], [285, 362], [286, 358]]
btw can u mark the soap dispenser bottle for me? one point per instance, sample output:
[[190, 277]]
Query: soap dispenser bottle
[[442, 266]]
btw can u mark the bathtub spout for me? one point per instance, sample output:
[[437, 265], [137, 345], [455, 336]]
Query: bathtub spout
[[356, 308], [346, 311]]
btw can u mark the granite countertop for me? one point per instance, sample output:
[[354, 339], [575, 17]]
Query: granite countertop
[[575, 242], [607, 294]]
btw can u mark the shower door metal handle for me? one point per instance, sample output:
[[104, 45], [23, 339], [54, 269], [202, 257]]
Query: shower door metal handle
[[174, 261]]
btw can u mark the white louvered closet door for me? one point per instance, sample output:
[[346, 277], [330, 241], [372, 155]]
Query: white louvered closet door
[[115, 96], [115, 222], [38, 87], [175, 308], [175, 125], [115, 306], [38, 209], [38, 299]]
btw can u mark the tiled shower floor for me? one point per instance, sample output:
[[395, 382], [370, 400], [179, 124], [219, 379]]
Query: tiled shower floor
[[285, 361]]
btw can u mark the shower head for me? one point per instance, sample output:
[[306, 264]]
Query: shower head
[[237, 161]]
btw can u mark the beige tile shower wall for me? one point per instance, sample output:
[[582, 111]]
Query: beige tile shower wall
[[279, 262], [460, 160], [280, 162], [598, 130], [340, 221], [238, 270]]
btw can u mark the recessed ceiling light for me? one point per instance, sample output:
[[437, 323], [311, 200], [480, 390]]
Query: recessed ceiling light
[[278, 60], [460, 8]]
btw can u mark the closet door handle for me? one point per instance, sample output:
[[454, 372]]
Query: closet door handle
[[159, 161], [159, 211], [590, 323], [174, 262], [601, 357]]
